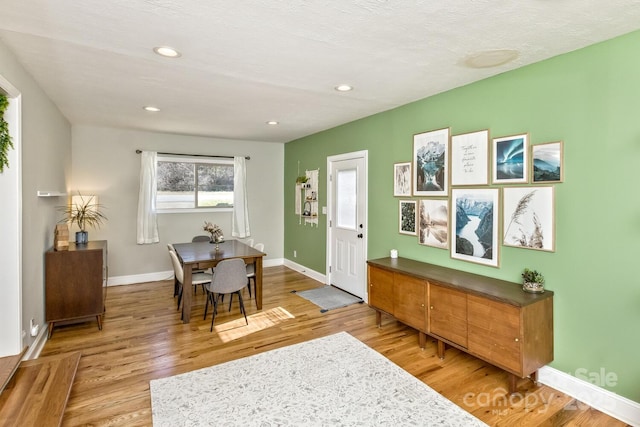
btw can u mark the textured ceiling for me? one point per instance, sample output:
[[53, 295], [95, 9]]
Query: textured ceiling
[[249, 61]]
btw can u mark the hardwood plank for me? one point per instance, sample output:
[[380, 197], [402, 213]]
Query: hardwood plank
[[143, 338], [37, 393], [8, 366]]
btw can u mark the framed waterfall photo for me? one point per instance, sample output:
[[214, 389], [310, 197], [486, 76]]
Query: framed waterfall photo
[[402, 179], [431, 163], [474, 220], [510, 159], [528, 217]]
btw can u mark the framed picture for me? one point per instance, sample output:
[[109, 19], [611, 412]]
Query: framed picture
[[408, 217], [433, 223], [510, 159], [474, 219], [528, 217], [470, 158], [431, 163], [402, 179], [546, 162]]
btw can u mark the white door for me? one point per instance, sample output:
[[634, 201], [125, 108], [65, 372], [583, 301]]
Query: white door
[[347, 231]]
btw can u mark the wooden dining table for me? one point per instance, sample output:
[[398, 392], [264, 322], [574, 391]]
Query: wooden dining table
[[203, 255]]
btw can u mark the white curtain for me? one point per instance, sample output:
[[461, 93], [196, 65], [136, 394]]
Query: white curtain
[[147, 220], [240, 220]]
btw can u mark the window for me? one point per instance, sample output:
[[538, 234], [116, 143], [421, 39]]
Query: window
[[193, 183]]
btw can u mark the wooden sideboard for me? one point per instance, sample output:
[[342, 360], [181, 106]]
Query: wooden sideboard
[[76, 283], [491, 319]]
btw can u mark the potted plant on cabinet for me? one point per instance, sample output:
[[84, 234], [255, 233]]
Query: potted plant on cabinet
[[84, 212], [532, 281]]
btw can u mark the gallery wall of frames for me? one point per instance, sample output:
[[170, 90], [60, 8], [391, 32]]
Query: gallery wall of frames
[[470, 194]]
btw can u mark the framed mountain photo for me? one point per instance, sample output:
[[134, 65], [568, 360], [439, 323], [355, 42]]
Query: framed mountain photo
[[547, 162]]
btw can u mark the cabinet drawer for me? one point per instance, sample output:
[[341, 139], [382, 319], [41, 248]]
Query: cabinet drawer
[[495, 333], [448, 314]]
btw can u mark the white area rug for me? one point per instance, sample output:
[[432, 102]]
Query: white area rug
[[331, 381]]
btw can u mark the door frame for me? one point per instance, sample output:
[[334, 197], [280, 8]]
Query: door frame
[[11, 325], [363, 154]]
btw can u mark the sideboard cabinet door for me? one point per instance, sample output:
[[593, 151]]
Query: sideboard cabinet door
[[494, 333], [381, 289], [409, 298], [448, 314]]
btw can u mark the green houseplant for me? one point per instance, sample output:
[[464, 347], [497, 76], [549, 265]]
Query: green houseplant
[[532, 281], [84, 212], [5, 138]]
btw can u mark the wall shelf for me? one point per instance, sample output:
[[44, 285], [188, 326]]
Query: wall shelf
[[42, 193]]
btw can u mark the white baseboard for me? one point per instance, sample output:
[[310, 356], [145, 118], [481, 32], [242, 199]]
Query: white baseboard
[[306, 271], [38, 344], [166, 275], [619, 407]]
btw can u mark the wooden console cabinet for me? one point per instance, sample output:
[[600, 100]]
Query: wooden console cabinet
[[76, 283], [491, 319]]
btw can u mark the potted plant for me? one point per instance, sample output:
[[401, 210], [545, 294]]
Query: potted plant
[[532, 281], [5, 138], [84, 212]]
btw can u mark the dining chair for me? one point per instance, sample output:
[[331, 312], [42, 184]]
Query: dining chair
[[176, 286], [229, 279], [202, 238], [251, 269], [196, 278]]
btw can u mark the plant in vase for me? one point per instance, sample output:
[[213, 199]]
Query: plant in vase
[[532, 281], [84, 212], [214, 231]]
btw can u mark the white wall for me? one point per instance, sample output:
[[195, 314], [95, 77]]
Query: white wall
[[105, 164]]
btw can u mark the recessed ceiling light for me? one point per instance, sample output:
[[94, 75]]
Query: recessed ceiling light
[[273, 122], [344, 88], [167, 51], [490, 58], [150, 108]]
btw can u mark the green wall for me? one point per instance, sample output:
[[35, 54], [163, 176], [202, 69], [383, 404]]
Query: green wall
[[590, 99]]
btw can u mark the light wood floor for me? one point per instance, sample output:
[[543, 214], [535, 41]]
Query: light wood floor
[[143, 339]]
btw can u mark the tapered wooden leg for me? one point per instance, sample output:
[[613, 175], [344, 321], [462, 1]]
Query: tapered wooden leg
[[99, 317], [378, 319], [441, 349], [422, 339], [513, 383]]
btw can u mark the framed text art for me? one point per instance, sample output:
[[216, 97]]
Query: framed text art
[[433, 223], [547, 163], [470, 158], [407, 217], [431, 163], [402, 179], [474, 220], [528, 217], [510, 159]]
